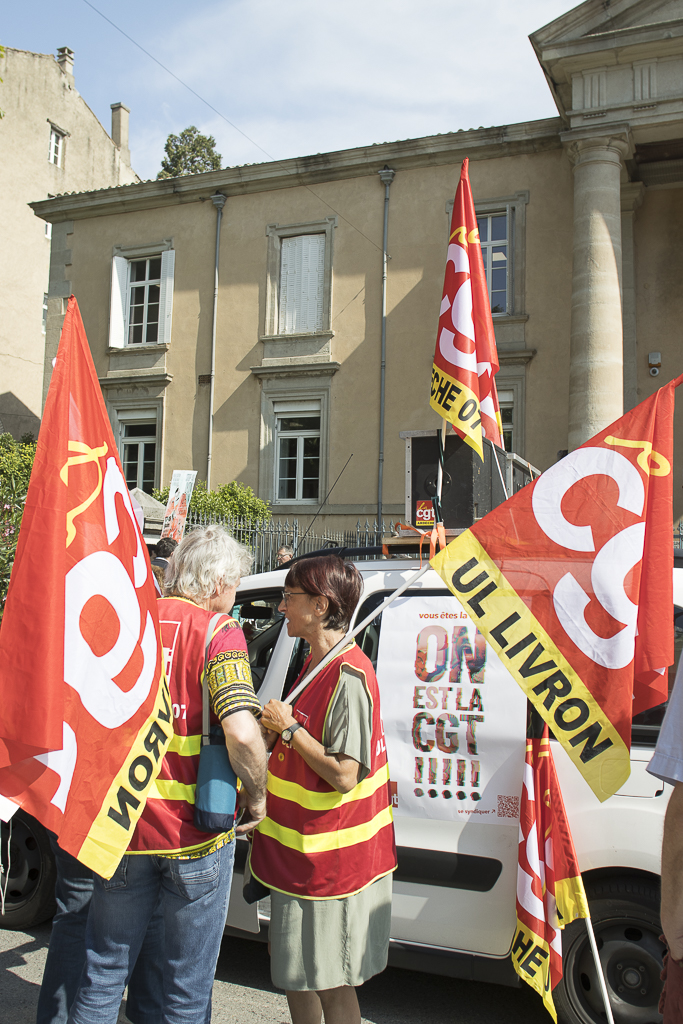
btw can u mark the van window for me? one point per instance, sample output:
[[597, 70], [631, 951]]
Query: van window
[[261, 623], [646, 725]]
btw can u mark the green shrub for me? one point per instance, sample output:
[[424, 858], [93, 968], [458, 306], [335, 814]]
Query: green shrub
[[16, 463], [232, 499]]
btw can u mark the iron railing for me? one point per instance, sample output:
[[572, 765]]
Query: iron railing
[[265, 537]]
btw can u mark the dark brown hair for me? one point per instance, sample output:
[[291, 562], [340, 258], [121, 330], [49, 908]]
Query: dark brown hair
[[331, 577]]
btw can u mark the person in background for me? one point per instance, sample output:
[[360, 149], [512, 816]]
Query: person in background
[[326, 848], [163, 551], [169, 860], [667, 765], [284, 554]]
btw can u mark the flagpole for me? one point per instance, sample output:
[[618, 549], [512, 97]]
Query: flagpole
[[598, 965]]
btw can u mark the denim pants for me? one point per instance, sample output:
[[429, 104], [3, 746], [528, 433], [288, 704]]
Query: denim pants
[[66, 953], [193, 899]]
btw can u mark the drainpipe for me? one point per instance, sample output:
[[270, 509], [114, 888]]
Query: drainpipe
[[218, 201], [386, 177]]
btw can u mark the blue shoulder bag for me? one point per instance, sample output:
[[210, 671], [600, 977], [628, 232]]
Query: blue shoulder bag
[[216, 793]]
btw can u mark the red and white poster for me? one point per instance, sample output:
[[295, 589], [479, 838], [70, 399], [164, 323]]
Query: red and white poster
[[86, 716], [455, 727], [179, 496]]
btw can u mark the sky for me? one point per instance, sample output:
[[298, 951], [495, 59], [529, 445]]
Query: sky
[[295, 76]]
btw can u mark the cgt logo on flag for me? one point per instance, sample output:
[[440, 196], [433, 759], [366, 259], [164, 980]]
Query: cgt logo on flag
[[571, 583], [84, 730], [463, 389]]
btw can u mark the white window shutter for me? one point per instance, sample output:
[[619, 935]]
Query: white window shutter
[[302, 272], [166, 296], [118, 308]]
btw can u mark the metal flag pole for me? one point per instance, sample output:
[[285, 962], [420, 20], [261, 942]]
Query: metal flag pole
[[598, 966], [436, 500]]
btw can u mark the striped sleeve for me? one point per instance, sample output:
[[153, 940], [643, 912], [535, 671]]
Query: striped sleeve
[[229, 674]]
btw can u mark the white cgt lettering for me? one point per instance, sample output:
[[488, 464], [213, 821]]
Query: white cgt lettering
[[91, 675], [115, 484], [612, 563]]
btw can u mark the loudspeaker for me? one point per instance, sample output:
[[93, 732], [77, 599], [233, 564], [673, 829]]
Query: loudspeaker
[[470, 488]]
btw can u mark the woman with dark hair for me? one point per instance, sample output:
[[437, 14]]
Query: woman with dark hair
[[326, 847]]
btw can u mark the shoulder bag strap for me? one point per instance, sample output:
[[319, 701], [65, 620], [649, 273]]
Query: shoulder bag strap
[[213, 622]]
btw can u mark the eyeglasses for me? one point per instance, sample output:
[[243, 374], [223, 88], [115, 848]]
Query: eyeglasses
[[286, 594]]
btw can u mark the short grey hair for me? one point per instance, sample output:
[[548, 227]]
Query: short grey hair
[[206, 560]]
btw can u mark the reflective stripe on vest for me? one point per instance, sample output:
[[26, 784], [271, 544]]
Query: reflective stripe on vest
[[326, 801], [324, 841]]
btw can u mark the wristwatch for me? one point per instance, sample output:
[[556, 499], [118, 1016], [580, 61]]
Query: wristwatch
[[289, 732]]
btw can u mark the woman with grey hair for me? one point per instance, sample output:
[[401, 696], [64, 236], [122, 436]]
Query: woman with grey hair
[[170, 863]]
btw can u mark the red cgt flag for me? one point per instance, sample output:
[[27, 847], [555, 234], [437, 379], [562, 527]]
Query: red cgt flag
[[550, 892], [466, 360], [85, 716], [571, 583]]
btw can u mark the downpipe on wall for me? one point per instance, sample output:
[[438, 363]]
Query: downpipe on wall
[[218, 201], [386, 177]]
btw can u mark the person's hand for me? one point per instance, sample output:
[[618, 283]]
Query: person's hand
[[269, 736], [254, 813], [277, 716]]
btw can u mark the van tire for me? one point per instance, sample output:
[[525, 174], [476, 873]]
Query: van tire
[[625, 916], [30, 897]]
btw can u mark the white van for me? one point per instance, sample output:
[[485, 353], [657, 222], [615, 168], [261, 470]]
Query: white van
[[455, 724]]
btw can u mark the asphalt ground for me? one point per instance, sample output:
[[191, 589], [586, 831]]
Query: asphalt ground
[[243, 993]]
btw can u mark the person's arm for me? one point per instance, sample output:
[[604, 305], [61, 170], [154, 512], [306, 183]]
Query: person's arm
[[247, 752], [340, 771], [672, 874]]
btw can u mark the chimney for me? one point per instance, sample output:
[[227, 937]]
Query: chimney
[[65, 59], [119, 130]]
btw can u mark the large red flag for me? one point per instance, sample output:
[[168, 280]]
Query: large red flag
[[85, 716], [571, 583], [550, 892], [466, 360]]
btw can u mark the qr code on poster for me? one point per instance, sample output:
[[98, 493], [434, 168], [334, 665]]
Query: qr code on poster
[[508, 806]]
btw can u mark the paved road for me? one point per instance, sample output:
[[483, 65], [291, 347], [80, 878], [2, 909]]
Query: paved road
[[243, 993]]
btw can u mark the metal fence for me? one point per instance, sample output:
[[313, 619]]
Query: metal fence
[[265, 538]]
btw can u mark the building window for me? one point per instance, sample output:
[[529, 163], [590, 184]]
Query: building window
[[139, 454], [297, 464], [44, 312], [143, 301], [48, 229], [506, 400], [56, 152], [299, 283], [302, 269], [493, 235], [141, 297]]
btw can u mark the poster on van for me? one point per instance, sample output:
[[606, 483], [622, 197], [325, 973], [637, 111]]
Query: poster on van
[[454, 720]]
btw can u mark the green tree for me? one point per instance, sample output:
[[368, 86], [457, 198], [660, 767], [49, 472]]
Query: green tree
[[232, 499], [16, 463], [189, 153]]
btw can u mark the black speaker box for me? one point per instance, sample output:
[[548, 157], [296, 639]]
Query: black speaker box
[[470, 488]]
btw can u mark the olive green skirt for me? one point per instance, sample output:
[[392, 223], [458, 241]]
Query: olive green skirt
[[321, 944]]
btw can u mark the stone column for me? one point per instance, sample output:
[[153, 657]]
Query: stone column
[[596, 370], [631, 198]]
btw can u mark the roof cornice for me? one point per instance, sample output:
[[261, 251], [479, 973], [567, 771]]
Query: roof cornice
[[477, 144]]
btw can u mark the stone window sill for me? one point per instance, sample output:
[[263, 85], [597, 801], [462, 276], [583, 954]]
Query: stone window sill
[[296, 337], [136, 348]]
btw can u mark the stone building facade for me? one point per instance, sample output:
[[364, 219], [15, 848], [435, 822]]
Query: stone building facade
[[277, 382], [50, 143]]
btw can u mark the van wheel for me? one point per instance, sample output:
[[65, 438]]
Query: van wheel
[[28, 868], [625, 915]]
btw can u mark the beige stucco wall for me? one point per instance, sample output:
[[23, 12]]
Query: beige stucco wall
[[418, 234], [34, 92]]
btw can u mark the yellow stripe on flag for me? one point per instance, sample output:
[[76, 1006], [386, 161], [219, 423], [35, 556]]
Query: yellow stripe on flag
[[455, 402], [326, 801], [531, 959], [559, 694], [570, 897], [323, 842]]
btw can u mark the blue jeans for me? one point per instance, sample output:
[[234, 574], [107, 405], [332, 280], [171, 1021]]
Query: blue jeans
[[66, 954], [193, 898]]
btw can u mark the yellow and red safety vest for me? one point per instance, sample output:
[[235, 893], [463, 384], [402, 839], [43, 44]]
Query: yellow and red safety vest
[[316, 843], [167, 824]]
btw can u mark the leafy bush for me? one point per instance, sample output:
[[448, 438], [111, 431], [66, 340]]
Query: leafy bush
[[16, 463], [232, 499]]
